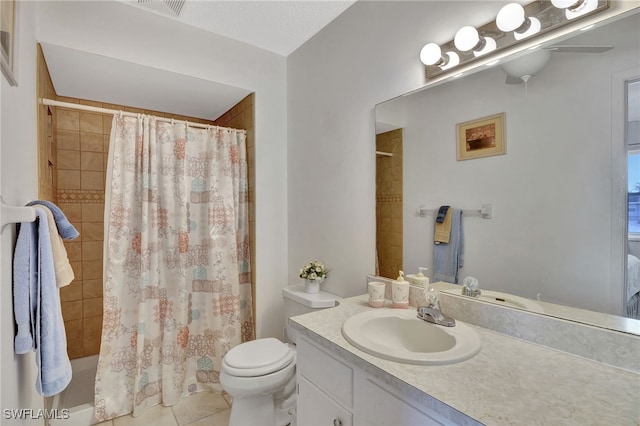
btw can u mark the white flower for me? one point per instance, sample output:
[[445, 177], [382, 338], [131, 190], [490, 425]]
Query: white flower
[[314, 270]]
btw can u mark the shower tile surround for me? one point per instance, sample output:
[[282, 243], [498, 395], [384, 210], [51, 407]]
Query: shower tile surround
[[389, 203], [511, 381], [76, 168]]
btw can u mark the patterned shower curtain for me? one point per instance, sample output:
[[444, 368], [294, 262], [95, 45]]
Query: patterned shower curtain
[[177, 289]]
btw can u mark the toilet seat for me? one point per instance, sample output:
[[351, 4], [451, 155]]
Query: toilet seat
[[257, 358]]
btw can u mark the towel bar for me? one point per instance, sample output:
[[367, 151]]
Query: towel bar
[[485, 212], [15, 214]]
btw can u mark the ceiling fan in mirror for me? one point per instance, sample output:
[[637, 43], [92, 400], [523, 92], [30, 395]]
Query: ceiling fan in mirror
[[521, 69]]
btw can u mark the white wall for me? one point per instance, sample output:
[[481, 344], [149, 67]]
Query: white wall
[[123, 32], [18, 178], [366, 56]]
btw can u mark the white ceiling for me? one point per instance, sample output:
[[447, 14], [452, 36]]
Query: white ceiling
[[89, 76], [277, 26]]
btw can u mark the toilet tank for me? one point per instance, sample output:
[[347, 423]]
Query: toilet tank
[[298, 302]]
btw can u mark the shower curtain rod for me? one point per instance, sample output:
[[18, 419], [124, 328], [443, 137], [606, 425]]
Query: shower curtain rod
[[51, 102]]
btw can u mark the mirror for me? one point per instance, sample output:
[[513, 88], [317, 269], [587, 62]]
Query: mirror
[[558, 196]]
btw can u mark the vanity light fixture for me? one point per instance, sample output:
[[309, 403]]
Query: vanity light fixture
[[515, 23], [512, 18]]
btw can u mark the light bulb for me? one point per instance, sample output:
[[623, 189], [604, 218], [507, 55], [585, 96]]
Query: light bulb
[[466, 39], [452, 60], [563, 4], [510, 18], [489, 46], [575, 8], [431, 54], [534, 28], [582, 8]]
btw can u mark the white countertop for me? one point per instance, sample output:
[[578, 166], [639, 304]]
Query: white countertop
[[509, 382]]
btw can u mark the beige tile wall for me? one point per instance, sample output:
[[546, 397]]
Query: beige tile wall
[[46, 133], [82, 151], [389, 204]]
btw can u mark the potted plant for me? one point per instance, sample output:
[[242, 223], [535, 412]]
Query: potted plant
[[313, 274]]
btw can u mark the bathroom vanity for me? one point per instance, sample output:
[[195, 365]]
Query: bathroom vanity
[[333, 391], [510, 381]]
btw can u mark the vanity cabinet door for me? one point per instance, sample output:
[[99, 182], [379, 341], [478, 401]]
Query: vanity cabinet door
[[316, 408], [332, 376], [377, 405]]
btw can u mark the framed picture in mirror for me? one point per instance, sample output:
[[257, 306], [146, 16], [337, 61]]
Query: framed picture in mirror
[[8, 40], [482, 137]]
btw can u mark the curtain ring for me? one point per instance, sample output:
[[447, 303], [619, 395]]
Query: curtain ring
[[120, 113]]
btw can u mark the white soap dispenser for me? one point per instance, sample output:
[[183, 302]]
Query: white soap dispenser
[[400, 292], [419, 279]]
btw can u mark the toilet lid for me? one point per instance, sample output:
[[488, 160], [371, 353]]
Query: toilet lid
[[257, 358]]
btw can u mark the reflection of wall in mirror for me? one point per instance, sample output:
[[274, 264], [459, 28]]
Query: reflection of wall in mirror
[[552, 234], [389, 203]]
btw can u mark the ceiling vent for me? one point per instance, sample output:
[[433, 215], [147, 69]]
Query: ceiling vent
[[167, 7]]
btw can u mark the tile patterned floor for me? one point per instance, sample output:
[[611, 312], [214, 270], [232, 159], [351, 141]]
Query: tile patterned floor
[[204, 408]]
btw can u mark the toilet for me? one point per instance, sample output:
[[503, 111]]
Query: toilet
[[260, 375]]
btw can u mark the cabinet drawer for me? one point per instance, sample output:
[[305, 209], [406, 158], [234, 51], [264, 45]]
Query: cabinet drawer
[[315, 408], [375, 405], [325, 371]]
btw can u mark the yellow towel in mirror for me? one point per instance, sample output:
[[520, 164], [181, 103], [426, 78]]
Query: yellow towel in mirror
[[442, 231]]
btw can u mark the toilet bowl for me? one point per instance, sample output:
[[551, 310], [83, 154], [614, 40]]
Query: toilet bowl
[[260, 375]]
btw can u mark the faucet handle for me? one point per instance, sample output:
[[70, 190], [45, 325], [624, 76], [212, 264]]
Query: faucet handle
[[433, 297], [471, 283]]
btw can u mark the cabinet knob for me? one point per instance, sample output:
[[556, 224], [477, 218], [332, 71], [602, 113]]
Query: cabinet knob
[[337, 422]]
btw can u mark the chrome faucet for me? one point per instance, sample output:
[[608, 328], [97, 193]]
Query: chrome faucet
[[432, 312]]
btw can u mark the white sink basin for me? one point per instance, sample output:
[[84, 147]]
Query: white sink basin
[[398, 335], [506, 299]]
